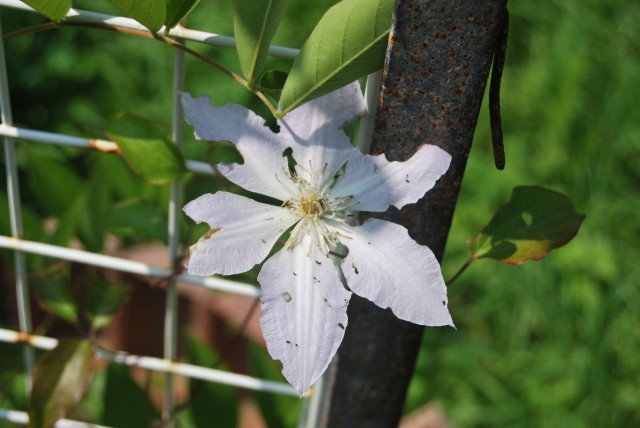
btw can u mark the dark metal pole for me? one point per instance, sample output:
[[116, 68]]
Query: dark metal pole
[[437, 64]]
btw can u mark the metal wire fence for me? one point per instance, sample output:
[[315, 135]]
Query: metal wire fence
[[168, 364]]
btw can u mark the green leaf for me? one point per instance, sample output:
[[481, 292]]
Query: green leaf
[[146, 148], [349, 42], [255, 22], [150, 13], [61, 378], [178, 9], [96, 202], [531, 224], [56, 298], [104, 300], [210, 401], [125, 403], [133, 218], [278, 411], [52, 9], [54, 181], [271, 82]]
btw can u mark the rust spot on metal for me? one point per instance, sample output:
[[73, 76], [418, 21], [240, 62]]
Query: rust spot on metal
[[104, 146], [23, 337]]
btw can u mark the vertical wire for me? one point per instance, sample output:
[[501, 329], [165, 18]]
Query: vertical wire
[[171, 310], [13, 191], [371, 96]]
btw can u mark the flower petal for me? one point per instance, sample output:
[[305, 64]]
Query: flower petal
[[265, 169], [304, 312], [363, 186], [411, 179], [374, 183], [313, 131], [242, 232], [389, 268]]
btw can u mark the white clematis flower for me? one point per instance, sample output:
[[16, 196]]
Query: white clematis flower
[[304, 303]]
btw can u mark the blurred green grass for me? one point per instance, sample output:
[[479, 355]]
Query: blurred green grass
[[547, 344], [551, 343]]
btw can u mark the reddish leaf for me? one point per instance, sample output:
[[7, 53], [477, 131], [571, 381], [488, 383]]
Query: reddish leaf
[[531, 224], [62, 376]]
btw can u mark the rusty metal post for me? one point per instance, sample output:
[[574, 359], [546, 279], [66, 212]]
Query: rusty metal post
[[436, 69]]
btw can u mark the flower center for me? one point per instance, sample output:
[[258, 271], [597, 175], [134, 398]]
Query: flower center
[[312, 205]]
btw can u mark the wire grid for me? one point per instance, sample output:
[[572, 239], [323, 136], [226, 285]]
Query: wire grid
[[167, 364]]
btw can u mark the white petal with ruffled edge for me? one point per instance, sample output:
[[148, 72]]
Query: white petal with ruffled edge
[[243, 232], [265, 168], [313, 131], [304, 312], [408, 181], [389, 268], [375, 183]]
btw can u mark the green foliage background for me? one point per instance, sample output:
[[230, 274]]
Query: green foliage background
[[550, 343]]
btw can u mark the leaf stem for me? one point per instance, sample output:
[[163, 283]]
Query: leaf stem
[[148, 35], [461, 270]]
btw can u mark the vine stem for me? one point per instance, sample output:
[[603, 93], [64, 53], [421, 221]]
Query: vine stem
[[461, 270], [148, 35]]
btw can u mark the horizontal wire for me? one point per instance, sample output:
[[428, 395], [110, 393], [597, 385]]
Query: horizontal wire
[[77, 15], [85, 143], [161, 365], [124, 265], [22, 418]]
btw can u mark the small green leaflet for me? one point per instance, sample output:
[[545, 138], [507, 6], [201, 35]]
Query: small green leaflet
[[150, 13], [531, 224], [176, 10], [255, 22], [103, 301], [62, 375], [55, 10], [56, 298], [349, 42], [133, 218], [146, 148]]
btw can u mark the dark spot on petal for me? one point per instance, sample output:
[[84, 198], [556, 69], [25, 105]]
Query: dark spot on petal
[[289, 342], [341, 325], [318, 262], [355, 269], [295, 274], [263, 241], [444, 303], [407, 179]]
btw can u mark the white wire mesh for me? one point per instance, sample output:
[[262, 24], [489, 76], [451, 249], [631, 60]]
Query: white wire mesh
[[168, 364]]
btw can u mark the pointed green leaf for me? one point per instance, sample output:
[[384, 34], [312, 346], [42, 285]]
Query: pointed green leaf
[[53, 180], [104, 300], [125, 403], [531, 224], [178, 9], [133, 218], [255, 22], [56, 298], [150, 13], [55, 10], [277, 410], [349, 42], [146, 148], [61, 378], [211, 401]]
